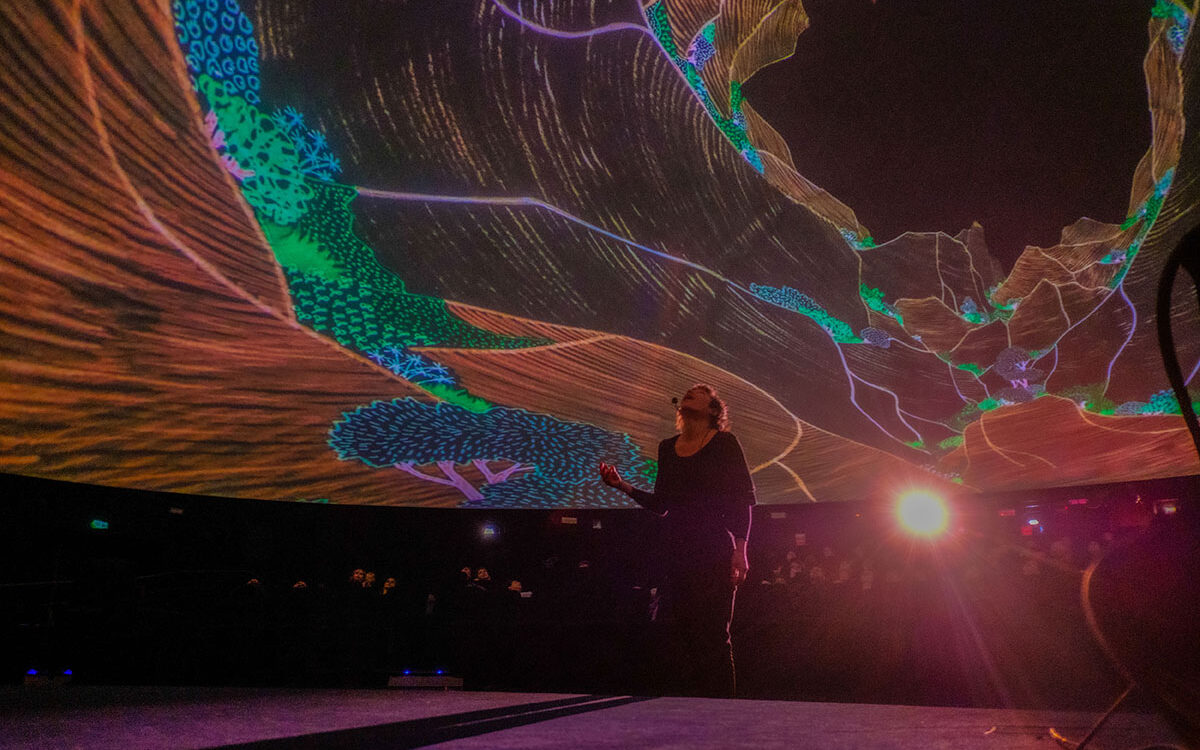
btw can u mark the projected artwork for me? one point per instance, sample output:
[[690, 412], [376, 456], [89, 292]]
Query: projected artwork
[[367, 252]]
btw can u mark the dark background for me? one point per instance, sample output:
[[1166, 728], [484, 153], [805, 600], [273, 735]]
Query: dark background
[[162, 596], [930, 114]]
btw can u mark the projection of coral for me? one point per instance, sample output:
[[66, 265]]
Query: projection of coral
[[318, 249], [560, 456]]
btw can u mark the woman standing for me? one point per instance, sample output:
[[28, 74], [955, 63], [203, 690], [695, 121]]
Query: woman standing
[[704, 491]]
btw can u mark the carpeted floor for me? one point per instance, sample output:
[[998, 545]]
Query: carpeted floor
[[126, 718]]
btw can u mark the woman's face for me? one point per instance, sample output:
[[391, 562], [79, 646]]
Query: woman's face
[[695, 400]]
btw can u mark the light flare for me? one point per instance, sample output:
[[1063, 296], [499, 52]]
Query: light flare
[[922, 513]]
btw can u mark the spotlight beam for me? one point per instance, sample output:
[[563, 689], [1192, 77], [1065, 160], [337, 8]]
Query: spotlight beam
[[922, 513]]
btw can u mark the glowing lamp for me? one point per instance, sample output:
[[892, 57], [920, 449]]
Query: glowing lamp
[[1166, 507], [922, 513]]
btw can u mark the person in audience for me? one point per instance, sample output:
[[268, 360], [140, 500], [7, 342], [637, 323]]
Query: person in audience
[[704, 491], [816, 575], [829, 563], [482, 580], [844, 572], [776, 578], [1062, 550], [795, 570], [866, 576]]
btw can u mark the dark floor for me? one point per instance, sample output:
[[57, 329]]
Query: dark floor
[[131, 718]]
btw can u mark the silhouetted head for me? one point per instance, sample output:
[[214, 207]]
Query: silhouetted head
[[701, 400]]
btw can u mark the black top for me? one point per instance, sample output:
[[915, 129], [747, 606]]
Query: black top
[[706, 496]]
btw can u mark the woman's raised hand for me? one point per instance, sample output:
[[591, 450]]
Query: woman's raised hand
[[610, 476]]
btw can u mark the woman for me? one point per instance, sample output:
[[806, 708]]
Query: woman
[[704, 491]]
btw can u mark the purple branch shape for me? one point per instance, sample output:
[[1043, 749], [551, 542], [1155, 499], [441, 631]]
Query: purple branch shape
[[1132, 328], [850, 378], [452, 478], [543, 205], [895, 399], [562, 34], [1076, 324], [906, 413], [215, 136], [235, 169], [493, 478], [950, 368], [217, 139], [1055, 367]]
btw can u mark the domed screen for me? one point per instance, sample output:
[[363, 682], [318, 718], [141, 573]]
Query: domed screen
[[457, 253]]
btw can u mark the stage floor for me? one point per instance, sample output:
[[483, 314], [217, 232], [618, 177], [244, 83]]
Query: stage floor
[[130, 718]]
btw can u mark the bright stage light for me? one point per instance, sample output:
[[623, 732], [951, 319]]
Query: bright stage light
[[922, 513]]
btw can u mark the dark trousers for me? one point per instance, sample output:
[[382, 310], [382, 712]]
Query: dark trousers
[[700, 607]]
